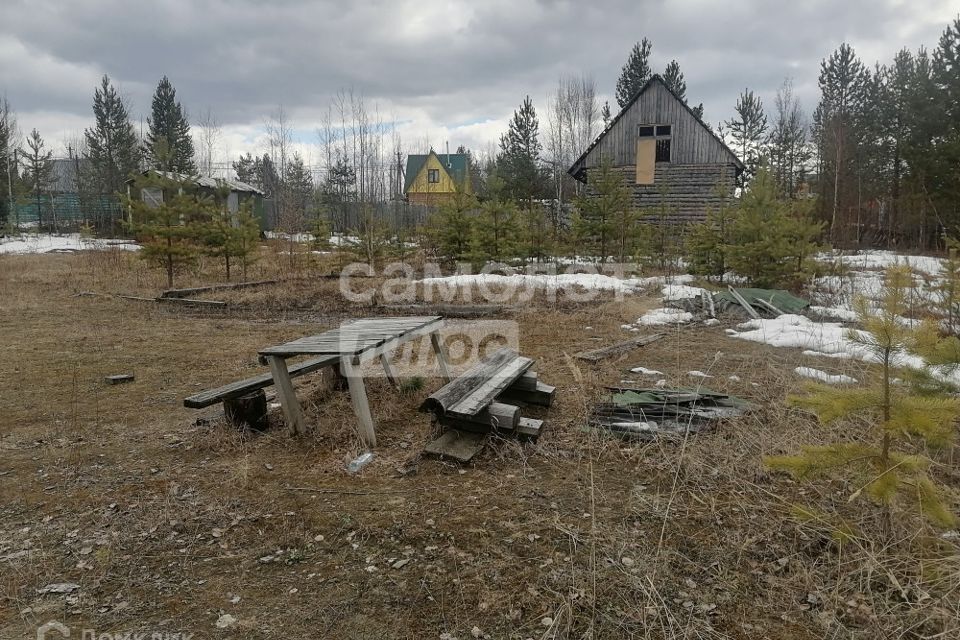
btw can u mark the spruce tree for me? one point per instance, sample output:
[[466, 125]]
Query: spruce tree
[[635, 73], [169, 145], [518, 163], [37, 172], [605, 113], [496, 232], [748, 129], [892, 466], [112, 142]]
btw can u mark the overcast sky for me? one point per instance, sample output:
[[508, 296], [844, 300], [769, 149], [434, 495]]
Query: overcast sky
[[443, 70]]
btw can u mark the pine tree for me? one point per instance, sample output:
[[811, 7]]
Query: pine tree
[[170, 232], [948, 286], [496, 232], [298, 185], [943, 166], [231, 236], [708, 243], [37, 171], [673, 78], [635, 73], [169, 145], [449, 229], [843, 87], [518, 163], [747, 129], [605, 113], [604, 223], [772, 239], [888, 468], [112, 142]]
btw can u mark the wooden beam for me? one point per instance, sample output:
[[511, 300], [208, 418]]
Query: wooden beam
[[596, 355], [441, 355], [183, 293]]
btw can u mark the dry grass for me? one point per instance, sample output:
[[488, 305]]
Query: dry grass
[[163, 519]]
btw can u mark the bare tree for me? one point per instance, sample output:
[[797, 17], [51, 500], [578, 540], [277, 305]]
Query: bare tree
[[10, 141], [209, 133], [572, 119]]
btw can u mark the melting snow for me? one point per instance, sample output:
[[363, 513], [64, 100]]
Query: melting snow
[[823, 376], [665, 316], [46, 243]]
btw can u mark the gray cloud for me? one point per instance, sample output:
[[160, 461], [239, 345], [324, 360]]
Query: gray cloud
[[451, 62]]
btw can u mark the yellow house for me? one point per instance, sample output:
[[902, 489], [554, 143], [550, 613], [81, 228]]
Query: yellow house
[[432, 179]]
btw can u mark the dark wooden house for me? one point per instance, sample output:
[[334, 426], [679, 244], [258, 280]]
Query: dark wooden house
[[667, 155]]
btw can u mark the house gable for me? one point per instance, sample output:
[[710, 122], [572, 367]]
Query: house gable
[[692, 142], [451, 173]]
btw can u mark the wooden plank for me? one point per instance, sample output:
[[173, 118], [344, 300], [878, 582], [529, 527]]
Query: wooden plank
[[526, 382], [286, 394], [743, 303], [441, 354], [190, 302], [458, 445], [646, 152], [452, 310], [596, 355], [498, 416], [358, 397], [542, 396], [477, 387], [119, 379], [184, 293], [371, 337], [240, 387]]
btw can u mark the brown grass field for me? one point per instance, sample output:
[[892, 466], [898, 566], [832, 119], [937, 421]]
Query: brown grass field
[[168, 518]]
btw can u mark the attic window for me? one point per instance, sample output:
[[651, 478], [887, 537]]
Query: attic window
[[645, 131], [433, 176]]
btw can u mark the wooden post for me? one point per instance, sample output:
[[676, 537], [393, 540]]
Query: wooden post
[[441, 356], [388, 370], [358, 397], [286, 394]]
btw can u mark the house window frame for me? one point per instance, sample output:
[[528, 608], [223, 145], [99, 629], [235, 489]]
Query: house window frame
[[659, 132], [433, 176]]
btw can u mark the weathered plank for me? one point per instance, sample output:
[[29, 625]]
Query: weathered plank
[[595, 355], [184, 293], [473, 391], [119, 379], [458, 445], [191, 302], [287, 395], [541, 396], [529, 428], [240, 387], [498, 416], [451, 310]]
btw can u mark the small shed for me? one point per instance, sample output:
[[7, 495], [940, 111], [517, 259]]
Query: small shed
[[669, 157], [237, 192]]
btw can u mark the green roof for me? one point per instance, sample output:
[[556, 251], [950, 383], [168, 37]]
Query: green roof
[[455, 164]]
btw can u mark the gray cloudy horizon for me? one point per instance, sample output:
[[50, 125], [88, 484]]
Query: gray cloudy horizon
[[444, 71]]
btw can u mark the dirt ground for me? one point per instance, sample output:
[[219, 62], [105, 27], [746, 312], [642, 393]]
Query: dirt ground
[[168, 519]]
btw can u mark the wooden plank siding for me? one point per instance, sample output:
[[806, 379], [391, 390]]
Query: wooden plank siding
[[701, 172]]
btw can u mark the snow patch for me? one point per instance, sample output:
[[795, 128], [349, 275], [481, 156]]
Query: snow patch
[[823, 376], [48, 243], [665, 316], [646, 372]]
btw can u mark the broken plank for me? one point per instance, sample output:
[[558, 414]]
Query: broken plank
[[595, 355], [476, 388], [458, 445]]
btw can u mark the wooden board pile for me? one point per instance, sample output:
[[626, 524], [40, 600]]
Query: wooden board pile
[[487, 400]]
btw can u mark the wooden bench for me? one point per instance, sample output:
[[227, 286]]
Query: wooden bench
[[476, 404], [243, 387]]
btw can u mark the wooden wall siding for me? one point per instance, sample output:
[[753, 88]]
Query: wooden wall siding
[[692, 143], [689, 191]]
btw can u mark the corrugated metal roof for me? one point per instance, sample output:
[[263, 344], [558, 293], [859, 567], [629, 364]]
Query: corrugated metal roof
[[208, 182], [454, 163]]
